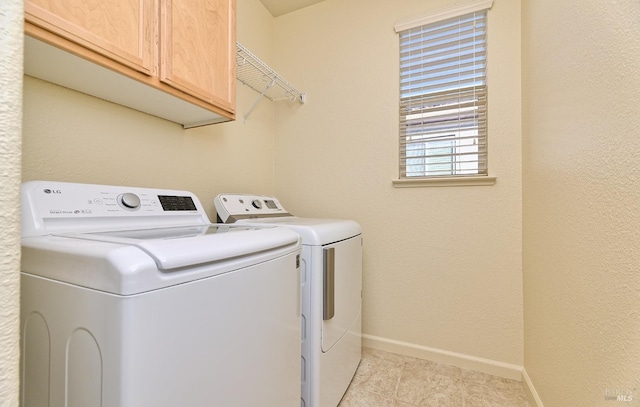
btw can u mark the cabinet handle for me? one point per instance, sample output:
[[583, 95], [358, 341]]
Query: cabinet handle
[[328, 306]]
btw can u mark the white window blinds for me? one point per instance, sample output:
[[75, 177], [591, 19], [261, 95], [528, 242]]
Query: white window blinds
[[443, 97]]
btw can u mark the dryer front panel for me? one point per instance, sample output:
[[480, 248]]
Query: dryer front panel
[[342, 288]]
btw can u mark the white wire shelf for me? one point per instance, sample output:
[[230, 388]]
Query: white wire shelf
[[257, 75]]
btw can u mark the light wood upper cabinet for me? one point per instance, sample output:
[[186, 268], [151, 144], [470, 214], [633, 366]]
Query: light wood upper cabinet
[[184, 51], [190, 64], [118, 29]]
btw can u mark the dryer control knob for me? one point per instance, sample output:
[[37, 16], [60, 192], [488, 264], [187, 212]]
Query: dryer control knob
[[256, 204], [129, 201]]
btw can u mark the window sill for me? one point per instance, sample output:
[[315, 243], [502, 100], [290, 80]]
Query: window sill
[[444, 182]]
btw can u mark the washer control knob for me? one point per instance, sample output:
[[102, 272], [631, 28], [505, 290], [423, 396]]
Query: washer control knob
[[256, 204], [129, 201]]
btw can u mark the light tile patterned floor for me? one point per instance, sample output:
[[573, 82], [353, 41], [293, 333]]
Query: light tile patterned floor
[[389, 380]]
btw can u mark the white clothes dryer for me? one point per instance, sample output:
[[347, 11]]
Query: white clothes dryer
[[131, 298], [331, 292]]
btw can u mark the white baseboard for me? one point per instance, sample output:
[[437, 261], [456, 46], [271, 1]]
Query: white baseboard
[[461, 360], [531, 390], [492, 367]]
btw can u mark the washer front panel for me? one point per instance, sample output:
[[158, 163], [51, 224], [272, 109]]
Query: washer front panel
[[186, 345]]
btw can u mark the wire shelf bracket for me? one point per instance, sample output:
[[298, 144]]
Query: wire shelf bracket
[[257, 75]]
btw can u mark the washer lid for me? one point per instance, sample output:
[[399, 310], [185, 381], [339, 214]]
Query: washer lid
[[178, 247], [131, 262]]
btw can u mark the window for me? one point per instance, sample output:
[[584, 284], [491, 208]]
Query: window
[[443, 96]]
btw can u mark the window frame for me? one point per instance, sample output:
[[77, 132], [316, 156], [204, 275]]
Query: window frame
[[440, 179]]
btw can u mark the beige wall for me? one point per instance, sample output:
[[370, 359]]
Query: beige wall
[[10, 128], [442, 266], [581, 200], [69, 136]]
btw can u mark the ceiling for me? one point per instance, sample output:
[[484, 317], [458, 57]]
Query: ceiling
[[280, 7]]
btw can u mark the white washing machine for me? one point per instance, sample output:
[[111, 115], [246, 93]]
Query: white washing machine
[[331, 292], [131, 298]]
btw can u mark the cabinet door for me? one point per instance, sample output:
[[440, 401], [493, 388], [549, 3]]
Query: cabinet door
[[121, 30], [197, 40]]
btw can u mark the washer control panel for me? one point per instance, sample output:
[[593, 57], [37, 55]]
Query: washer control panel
[[62, 205], [238, 206]]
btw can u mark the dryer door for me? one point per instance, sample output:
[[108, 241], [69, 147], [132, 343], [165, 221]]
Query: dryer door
[[342, 275]]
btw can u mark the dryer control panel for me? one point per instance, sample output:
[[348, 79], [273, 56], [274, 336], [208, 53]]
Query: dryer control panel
[[232, 207]]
